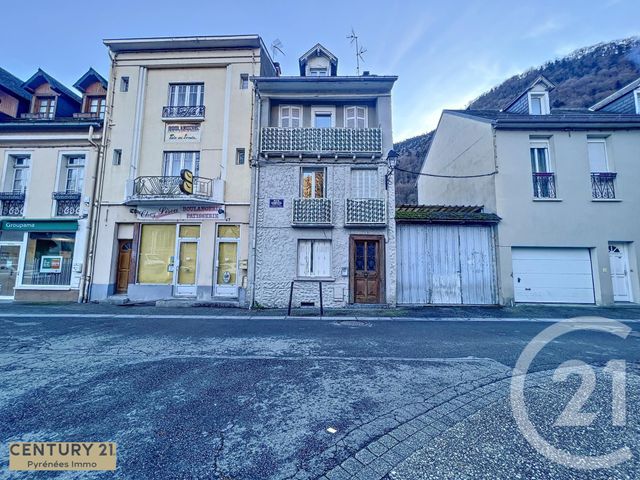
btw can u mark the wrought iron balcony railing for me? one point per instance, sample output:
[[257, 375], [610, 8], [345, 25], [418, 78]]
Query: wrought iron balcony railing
[[12, 204], [67, 203], [365, 211], [603, 185], [311, 211], [321, 140], [38, 116], [544, 185], [90, 115], [194, 112], [169, 187]]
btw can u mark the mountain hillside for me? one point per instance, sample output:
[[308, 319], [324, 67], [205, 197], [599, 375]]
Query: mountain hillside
[[582, 78]]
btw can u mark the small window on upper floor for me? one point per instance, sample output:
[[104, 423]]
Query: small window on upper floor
[[45, 106], [244, 81], [539, 103], [74, 173], [355, 117], [323, 117], [240, 156], [313, 184], [124, 84], [318, 72], [186, 95], [117, 156], [17, 174], [544, 182], [96, 106], [637, 97]]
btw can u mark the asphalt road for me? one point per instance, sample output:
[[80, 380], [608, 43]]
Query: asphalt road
[[232, 398]]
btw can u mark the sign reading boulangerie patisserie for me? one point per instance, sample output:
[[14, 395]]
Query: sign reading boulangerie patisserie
[[182, 132]]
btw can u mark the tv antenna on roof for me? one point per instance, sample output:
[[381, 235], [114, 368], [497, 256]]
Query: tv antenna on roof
[[360, 50], [276, 47]]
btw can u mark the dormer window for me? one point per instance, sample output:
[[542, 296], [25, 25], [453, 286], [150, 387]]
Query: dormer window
[[637, 97], [96, 106], [318, 72], [538, 103], [45, 107]]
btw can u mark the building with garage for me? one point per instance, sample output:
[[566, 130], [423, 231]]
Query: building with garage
[[563, 183], [323, 192], [179, 108], [49, 151]]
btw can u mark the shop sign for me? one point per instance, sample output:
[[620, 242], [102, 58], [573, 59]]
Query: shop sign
[[51, 264], [40, 225], [184, 212], [182, 132]]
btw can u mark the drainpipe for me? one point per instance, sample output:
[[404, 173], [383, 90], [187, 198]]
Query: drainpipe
[[98, 184], [256, 186]]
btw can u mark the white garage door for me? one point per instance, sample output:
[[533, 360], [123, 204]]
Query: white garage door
[[552, 275]]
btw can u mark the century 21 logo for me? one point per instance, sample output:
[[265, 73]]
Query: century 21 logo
[[186, 181]]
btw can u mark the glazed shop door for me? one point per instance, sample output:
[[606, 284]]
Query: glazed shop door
[[186, 266], [226, 268], [9, 261]]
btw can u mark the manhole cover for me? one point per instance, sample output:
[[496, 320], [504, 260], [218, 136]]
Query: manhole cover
[[351, 323]]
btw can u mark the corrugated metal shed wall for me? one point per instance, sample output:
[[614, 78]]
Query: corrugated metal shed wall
[[446, 264]]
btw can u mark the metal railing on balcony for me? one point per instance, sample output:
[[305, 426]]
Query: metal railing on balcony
[[194, 111], [603, 185], [90, 115], [365, 211], [12, 204], [169, 187], [67, 203], [311, 211], [318, 140], [38, 116], [544, 185]]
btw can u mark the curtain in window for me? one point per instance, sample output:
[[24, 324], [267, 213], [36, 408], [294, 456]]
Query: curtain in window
[[598, 156], [157, 249]]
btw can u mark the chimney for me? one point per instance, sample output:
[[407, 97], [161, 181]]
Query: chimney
[[278, 70], [366, 73]]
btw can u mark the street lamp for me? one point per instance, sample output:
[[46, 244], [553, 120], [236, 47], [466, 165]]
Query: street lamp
[[392, 161]]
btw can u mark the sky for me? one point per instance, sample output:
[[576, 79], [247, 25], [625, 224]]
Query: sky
[[445, 53]]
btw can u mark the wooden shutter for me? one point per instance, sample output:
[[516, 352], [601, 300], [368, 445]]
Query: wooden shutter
[[364, 183], [321, 258], [304, 258]]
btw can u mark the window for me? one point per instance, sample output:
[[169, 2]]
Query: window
[[49, 258], [117, 156], [124, 84], [364, 183], [174, 162], [46, 106], [240, 156], [539, 103], [74, 178], [156, 255], [318, 72], [19, 175], [637, 97], [544, 185], [323, 117], [314, 258], [313, 183], [244, 81], [186, 95], [290, 116], [597, 149], [355, 117], [96, 106]]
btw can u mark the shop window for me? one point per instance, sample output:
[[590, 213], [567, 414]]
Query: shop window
[[189, 231], [156, 255], [229, 231], [49, 259]]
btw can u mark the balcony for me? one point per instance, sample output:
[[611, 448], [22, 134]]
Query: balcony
[[544, 185], [602, 185], [350, 141], [89, 115], [311, 212], [195, 112], [38, 116], [164, 190], [366, 212], [12, 204], [67, 204]]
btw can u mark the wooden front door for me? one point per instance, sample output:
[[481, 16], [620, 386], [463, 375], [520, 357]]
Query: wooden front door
[[367, 269], [124, 265]]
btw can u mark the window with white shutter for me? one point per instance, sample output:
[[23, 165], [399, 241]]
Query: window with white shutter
[[364, 183], [597, 149], [355, 117], [314, 258], [290, 116]]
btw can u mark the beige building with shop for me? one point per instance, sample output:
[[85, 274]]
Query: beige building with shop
[[49, 151], [177, 104]]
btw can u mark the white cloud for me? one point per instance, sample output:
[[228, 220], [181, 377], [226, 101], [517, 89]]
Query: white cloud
[[544, 28], [405, 43]]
